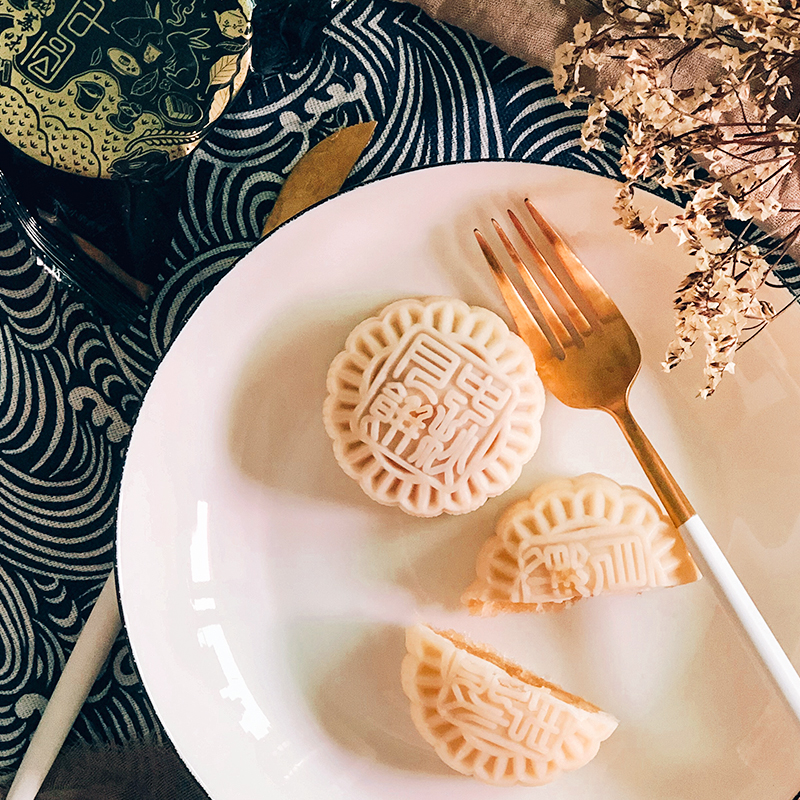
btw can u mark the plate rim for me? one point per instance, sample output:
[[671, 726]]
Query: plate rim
[[185, 330]]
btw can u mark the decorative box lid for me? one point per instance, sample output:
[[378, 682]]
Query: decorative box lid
[[118, 88]]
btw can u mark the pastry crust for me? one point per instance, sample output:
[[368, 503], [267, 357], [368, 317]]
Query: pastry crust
[[492, 719], [433, 406], [576, 538]]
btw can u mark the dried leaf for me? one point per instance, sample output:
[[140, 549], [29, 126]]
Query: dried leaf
[[223, 70], [219, 103]]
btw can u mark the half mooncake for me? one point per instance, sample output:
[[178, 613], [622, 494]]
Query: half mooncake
[[492, 719], [433, 406], [576, 538]]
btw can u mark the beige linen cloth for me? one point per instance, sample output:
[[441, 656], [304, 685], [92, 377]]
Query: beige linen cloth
[[528, 29], [532, 30]]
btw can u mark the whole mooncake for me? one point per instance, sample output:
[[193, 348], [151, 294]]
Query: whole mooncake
[[492, 719], [576, 538], [433, 406]]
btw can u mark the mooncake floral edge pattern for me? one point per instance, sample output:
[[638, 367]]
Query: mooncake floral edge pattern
[[364, 410], [485, 723], [575, 538]]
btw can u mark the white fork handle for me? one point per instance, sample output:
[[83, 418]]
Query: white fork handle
[[737, 602], [73, 687], [711, 561]]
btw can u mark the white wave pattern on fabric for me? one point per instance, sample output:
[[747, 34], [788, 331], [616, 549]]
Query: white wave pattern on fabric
[[27, 607], [371, 49]]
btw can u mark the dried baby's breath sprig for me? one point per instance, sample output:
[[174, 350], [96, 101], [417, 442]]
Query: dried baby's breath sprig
[[728, 141]]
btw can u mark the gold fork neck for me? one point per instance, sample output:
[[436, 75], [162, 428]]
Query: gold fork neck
[[678, 508]]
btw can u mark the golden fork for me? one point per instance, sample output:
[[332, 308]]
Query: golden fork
[[587, 356]]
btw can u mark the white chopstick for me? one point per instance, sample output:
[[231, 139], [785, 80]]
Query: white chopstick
[[80, 672]]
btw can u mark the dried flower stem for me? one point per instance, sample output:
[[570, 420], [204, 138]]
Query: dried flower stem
[[724, 143]]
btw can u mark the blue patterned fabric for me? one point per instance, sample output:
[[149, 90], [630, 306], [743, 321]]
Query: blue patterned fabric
[[70, 388]]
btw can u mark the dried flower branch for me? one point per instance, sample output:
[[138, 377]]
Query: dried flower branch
[[727, 142]]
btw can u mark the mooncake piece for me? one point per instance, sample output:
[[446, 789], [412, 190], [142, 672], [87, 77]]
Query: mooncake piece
[[576, 538], [492, 719], [433, 406]]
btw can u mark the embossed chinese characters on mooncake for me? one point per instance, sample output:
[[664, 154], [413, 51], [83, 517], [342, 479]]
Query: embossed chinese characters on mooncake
[[434, 406], [577, 538], [492, 719]]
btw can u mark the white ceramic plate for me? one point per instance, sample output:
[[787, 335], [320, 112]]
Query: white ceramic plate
[[265, 597]]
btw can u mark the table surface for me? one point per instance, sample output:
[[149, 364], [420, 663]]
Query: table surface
[[70, 387]]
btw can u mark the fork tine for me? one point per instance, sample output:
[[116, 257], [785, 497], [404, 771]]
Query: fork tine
[[590, 294], [550, 318], [575, 315], [527, 325]]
